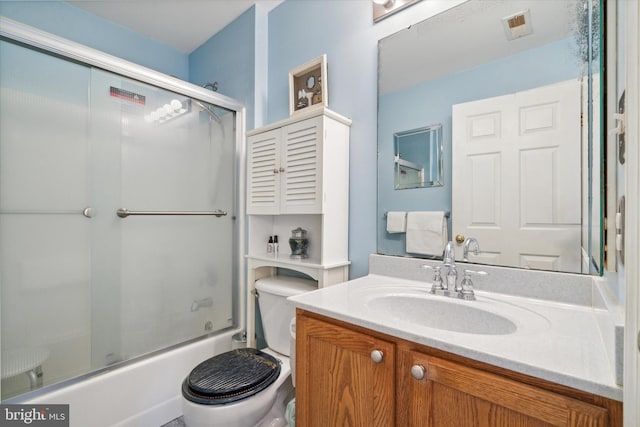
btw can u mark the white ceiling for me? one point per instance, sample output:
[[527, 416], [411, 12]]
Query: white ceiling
[[182, 24]]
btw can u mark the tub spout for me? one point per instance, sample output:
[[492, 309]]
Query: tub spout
[[205, 302]]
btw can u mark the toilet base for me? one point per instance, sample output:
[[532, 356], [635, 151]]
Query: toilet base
[[276, 416]]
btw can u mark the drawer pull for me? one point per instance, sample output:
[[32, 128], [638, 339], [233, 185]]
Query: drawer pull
[[418, 372], [377, 356]]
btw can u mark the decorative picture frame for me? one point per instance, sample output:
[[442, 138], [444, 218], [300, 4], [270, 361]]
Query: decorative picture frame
[[308, 86]]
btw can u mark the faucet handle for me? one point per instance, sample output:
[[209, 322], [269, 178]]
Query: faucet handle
[[468, 272], [437, 278], [428, 267], [466, 291]]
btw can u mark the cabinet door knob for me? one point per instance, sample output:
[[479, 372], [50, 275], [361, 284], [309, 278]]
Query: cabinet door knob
[[376, 356], [281, 169], [418, 372], [275, 170]]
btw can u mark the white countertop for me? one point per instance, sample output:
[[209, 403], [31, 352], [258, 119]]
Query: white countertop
[[557, 342]]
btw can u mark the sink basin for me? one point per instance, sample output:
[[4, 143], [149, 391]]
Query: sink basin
[[415, 307], [442, 313]]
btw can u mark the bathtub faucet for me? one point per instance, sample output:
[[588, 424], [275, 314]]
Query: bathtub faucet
[[205, 302]]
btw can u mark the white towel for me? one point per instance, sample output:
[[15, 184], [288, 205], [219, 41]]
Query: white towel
[[426, 233], [396, 222]]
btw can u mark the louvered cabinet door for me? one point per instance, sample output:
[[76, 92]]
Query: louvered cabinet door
[[301, 167], [263, 186]]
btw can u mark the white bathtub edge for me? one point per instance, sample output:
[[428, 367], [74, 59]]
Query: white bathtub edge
[[136, 394]]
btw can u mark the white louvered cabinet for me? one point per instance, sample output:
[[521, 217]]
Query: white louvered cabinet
[[286, 164], [298, 176], [285, 169]]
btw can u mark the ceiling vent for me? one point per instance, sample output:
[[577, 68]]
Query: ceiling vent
[[517, 25]]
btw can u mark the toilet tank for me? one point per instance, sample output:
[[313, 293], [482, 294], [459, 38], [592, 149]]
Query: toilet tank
[[275, 311]]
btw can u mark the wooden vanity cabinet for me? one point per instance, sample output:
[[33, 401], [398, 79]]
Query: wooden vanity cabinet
[[337, 381], [338, 384]]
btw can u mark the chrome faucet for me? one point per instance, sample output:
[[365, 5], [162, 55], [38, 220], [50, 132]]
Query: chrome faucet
[[449, 261], [467, 244], [466, 286], [449, 258], [449, 286], [438, 286]]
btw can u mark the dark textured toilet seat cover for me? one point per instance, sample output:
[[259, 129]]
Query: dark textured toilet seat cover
[[230, 376]]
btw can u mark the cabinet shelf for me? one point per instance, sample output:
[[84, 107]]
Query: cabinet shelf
[[284, 261]]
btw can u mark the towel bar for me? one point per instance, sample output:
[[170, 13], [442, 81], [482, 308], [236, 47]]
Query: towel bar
[[123, 213], [446, 214]]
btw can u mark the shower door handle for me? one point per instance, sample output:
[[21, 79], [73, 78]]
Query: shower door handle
[[123, 213]]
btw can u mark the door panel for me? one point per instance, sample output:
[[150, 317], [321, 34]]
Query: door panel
[[516, 177]]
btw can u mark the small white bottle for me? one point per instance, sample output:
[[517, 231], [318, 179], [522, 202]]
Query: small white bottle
[[275, 245], [270, 245]]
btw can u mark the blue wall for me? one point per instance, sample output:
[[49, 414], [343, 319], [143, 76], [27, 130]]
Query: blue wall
[[430, 103], [303, 30], [229, 59], [76, 24]]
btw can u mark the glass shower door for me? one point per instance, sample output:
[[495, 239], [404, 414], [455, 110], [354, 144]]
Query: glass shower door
[[45, 243], [82, 288], [171, 274]]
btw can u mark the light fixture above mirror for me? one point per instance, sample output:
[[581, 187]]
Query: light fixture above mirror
[[384, 8]]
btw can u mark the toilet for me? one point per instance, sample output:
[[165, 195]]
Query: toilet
[[247, 387]]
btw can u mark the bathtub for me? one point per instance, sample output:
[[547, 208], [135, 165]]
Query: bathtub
[[144, 393]]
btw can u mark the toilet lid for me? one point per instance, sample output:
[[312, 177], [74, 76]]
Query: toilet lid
[[231, 376]]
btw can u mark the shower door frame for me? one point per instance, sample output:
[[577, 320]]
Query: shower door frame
[[76, 52]]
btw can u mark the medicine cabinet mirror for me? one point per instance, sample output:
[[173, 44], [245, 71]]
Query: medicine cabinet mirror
[[418, 158], [491, 73]]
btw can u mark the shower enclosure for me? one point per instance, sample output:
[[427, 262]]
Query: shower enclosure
[[120, 221]]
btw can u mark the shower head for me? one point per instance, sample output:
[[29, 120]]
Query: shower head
[[213, 86]]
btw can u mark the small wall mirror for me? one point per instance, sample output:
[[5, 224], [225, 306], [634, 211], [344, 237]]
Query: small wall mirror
[[418, 158]]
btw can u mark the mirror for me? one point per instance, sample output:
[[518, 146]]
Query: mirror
[[311, 82], [516, 88], [418, 158]]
